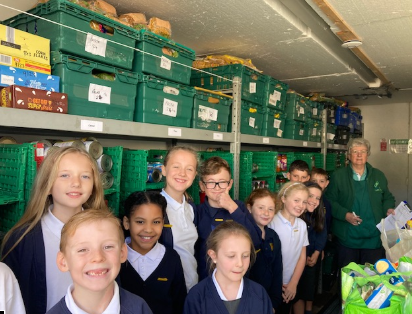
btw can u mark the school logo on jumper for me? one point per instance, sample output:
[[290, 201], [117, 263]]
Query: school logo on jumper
[[377, 187]]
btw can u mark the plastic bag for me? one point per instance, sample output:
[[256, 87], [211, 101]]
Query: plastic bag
[[397, 242], [352, 287]]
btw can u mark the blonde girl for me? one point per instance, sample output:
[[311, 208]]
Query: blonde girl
[[179, 231], [67, 181], [292, 199], [267, 270], [230, 254]]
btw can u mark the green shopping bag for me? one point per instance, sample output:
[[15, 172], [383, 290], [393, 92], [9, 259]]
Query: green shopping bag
[[353, 303]]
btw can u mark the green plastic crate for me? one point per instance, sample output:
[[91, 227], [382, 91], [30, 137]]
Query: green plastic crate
[[331, 159], [296, 107], [211, 111], [69, 40], [317, 109], [245, 185], [314, 133], [134, 171], [275, 93], [251, 118], [116, 153], [13, 160], [253, 82], [295, 130], [162, 102], [92, 96], [163, 58], [307, 157], [31, 171], [266, 162], [274, 123], [10, 214], [290, 157], [113, 202], [331, 133]]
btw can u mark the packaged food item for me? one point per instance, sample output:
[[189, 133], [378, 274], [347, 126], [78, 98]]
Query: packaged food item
[[380, 297], [21, 63], [383, 266], [102, 7], [219, 60], [136, 20], [160, 27]]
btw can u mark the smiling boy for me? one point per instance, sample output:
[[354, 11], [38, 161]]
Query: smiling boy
[[92, 248]]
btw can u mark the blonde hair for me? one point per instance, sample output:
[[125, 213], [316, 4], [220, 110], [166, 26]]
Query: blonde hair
[[41, 199], [223, 231], [87, 217], [286, 190]]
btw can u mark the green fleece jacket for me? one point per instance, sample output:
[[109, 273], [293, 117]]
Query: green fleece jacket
[[341, 195]]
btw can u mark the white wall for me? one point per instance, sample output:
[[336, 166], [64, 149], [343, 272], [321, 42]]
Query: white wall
[[389, 121]]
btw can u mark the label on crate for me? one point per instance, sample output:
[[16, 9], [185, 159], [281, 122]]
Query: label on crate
[[314, 131], [301, 132], [165, 63], [252, 122], [273, 98], [265, 140], [279, 133], [301, 110], [252, 87], [217, 136], [99, 93], [315, 111], [207, 114], [276, 123], [170, 107], [344, 116], [96, 45], [331, 136], [7, 79], [89, 125], [171, 90]]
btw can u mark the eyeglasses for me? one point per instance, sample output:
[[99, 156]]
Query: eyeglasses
[[359, 152], [212, 185]]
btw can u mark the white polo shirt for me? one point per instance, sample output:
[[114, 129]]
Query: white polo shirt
[[293, 239], [184, 236]]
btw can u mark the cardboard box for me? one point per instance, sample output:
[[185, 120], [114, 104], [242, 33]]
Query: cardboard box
[[14, 42], [25, 64], [33, 99], [15, 76]]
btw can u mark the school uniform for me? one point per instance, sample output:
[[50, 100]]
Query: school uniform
[[207, 218], [126, 302], [204, 299], [10, 295], [267, 269], [181, 235], [164, 289]]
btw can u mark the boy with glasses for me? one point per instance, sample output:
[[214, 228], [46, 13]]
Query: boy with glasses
[[216, 182]]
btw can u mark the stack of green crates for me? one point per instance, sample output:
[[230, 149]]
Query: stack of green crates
[[251, 118], [275, 93], [330, 161], [307, 157], [330, 133], [274, 123], [211, 110], [314, 133], [317, 110], [112, 195], [296, 107]]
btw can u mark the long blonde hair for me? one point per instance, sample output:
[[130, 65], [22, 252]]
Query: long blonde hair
[[286, 190], [41, 199]]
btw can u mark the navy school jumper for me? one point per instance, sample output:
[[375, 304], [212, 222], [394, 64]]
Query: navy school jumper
[[164, 290], [129, 304], [207, 218]]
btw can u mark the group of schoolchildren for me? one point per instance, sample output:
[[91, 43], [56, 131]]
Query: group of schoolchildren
[[69, 253]]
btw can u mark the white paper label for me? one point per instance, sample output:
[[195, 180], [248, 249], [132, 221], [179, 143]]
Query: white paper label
[[39, 152], [315, 111], [99, 93], [345, 116], [207, 114], [165, 63], [301, 110], [90, 125], [301, 132], [252, 122], [7, 79], [170, 107], [217, 136], [171, 90], [265, 140], [252, 87], [305, 143], [331, 136], [314, 131], [318, 145], [96, 45], [279, 133], [174, 132], [276, 123], [332, 113], [273, 98]]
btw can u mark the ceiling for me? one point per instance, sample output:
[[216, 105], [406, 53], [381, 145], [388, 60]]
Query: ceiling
[[293, 40]]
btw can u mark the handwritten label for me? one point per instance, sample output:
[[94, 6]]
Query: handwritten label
[[90, 125], [100, 93], [165, 63], [275, 97], [96, 45], [7, 79], [252, 87], [218, 136], [252, 122], [207, 114], [170, 107], [265, 140], [314, 132], [276, 123], [301, 110], [279, 133], [301, 132], [174, 132], [315, 111], [305, 143]]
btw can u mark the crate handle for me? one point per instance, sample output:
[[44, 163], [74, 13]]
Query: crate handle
[[102, 28], [80, 65], [213, 100], [170, 52]]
